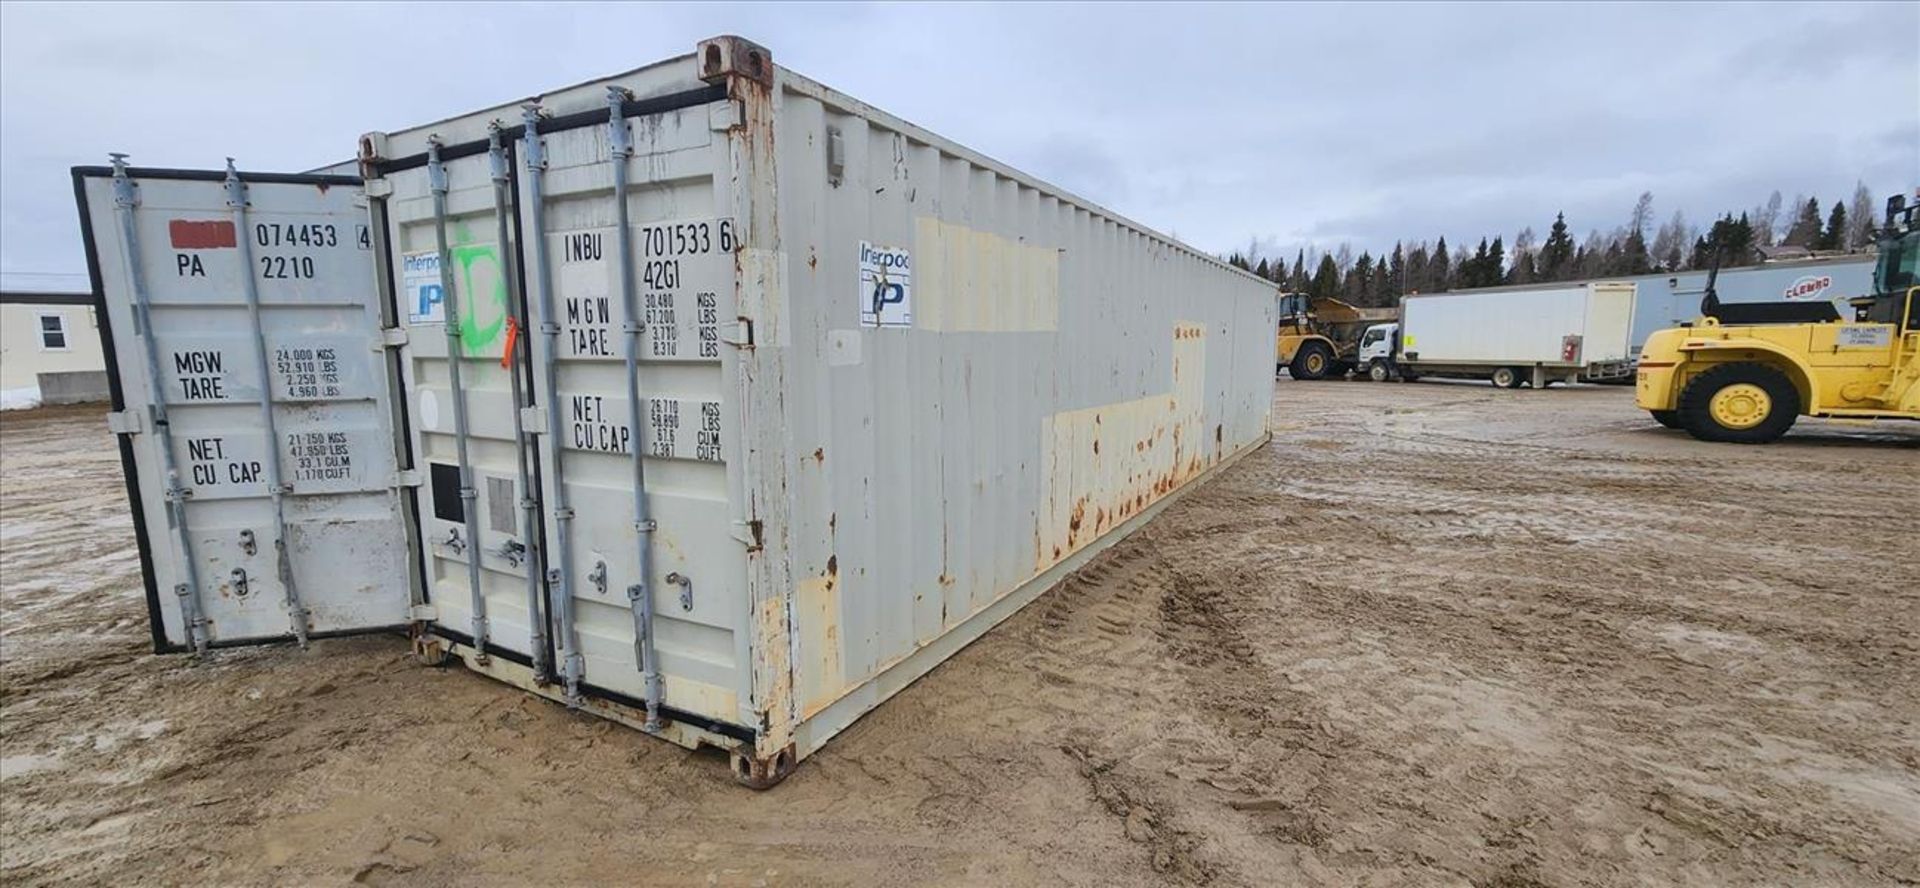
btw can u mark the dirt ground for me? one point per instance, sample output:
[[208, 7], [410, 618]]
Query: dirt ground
[[1433, 634]]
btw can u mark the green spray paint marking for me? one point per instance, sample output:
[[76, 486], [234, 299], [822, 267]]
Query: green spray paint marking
[[466, 254]]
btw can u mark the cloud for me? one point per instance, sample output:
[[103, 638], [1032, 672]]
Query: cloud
[[1081, 165], [1293, 125]]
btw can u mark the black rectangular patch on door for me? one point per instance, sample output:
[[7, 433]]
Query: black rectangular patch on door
[[446, 492]]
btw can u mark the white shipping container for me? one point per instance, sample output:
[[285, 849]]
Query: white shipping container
[[1563, 326], [766, 401]]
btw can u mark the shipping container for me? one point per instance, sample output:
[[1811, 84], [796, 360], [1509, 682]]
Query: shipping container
[[763, 402], [1563, 333]]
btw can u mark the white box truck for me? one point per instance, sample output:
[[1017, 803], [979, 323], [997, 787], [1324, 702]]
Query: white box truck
[[1512, 337]]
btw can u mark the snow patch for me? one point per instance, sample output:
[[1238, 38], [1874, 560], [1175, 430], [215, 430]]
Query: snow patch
[[23, 398]]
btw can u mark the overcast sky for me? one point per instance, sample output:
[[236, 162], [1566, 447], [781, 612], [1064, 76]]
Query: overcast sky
[[1293, 124]]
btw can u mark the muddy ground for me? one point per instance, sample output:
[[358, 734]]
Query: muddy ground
[[1434, 634]]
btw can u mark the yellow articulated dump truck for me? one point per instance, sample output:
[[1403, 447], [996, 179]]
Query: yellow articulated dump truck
[[1318, 337], [1744, 372]]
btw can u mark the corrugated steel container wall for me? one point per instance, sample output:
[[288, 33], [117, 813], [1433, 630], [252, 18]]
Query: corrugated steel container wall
[[886, 488], [1064, 370]]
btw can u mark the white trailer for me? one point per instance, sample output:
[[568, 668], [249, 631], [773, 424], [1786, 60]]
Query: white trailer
[[1512, 337]]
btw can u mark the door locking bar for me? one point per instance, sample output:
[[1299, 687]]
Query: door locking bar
[[126, 198], [297, 613], [514, 360], [639, 594], [456, 356], [559, 563]]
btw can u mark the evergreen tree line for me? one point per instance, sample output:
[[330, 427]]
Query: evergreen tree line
[[1638, 247]]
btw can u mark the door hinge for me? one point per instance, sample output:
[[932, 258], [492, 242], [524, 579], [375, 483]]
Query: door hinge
[[748, 532], [126, 422], [405, 478], [393, 337], [533, 420], [379, 188], [738, 334], [423, 613]]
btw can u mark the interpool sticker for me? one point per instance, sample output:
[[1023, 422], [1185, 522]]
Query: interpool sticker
[[886, 286]]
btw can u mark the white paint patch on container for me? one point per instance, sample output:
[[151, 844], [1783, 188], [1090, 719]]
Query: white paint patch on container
[[429, 410]]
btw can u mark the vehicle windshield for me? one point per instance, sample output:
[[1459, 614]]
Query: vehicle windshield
[[1897, 260]]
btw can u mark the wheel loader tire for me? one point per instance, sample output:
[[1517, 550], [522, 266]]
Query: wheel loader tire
[[1506, 378], [1313, 361], [1379, 372], [1668, 418], [1743, 403]]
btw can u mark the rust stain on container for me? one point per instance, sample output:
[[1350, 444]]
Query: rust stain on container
[[1114, 488], [823, 671]]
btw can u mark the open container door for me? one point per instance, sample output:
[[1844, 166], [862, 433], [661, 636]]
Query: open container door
[[252, 384]]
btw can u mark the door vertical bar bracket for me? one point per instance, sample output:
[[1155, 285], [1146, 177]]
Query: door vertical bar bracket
[[456, 356], [640, 594], [559, 563], [515, 360]]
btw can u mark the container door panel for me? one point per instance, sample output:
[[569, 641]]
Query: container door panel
[[1608, 330], [685, 250], [252, 393], [465, 430]]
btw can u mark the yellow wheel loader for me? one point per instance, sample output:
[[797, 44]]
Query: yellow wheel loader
[[1318, 336], [1745, 372]]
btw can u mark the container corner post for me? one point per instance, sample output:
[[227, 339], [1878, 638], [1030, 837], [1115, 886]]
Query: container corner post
[[727, 55]]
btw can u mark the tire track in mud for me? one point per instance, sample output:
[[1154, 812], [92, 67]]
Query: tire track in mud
[[1203, 624], [1131, 627], [1142, 813], [1089, 644], [1247, 750], [1092, 616]]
